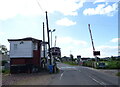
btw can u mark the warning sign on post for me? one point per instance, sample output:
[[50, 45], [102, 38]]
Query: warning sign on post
[[96, 53]]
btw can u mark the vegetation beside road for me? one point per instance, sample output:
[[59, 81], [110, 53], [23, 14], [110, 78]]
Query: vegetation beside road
[[70, 63], [6, 71], [118, 74], [112, 64], [102, 63], [4, 62], [108, 64]]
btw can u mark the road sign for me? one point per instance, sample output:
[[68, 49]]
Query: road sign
[[96, 53]]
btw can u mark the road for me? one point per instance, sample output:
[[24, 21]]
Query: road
[[80, 75]]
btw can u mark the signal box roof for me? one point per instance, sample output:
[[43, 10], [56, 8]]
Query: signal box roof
[[25, 39]]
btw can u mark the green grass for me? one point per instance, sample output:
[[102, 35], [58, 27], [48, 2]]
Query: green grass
[[7, 71], [57, 70], [88, 63], [109, 64], [112, 64], [118, 74], [71, 63]]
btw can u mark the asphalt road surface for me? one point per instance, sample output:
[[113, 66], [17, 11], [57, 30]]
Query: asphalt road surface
[[80, 75]]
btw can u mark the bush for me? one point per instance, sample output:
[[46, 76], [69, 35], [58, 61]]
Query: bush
[[118, 74], [109, 64], [57, 70], [113, 65], [7, 71], [4, 62], [70, 63], [88, 63]]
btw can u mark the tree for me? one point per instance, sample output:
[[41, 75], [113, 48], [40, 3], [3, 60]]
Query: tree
[[113, 58], [71, 56], [3, 49]]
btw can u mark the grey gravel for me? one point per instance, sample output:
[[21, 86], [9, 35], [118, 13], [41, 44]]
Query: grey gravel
[[27, 79]]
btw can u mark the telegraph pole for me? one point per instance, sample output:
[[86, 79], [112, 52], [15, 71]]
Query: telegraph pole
[[44, 43], [43, 40], [48, 37]]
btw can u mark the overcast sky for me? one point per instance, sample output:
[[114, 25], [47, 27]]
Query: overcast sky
[[70, 18]]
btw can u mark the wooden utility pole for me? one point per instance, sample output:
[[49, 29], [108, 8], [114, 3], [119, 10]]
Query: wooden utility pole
[[44, 59], [43, 41], [48, 38]]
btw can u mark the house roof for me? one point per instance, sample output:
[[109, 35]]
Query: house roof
[[25, 39]]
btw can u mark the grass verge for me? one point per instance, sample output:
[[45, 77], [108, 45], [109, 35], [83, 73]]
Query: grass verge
[[118, 74], [71, 63], [6, 71]]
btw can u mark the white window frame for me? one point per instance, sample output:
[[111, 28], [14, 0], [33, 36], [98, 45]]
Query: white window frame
[[35, 46], [15, 46]]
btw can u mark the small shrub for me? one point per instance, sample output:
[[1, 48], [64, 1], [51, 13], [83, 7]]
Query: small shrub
[[57, 70], [7, 71], [70, 63], [3, 71], [118, 74], [4, 62]]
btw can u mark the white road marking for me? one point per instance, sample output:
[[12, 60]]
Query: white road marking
[[96, 80], [101, 83], [61, 75]]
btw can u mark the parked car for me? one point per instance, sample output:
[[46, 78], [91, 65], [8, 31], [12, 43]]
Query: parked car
[[101, 65]]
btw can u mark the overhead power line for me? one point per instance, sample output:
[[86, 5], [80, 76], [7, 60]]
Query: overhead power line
[[40, 6]]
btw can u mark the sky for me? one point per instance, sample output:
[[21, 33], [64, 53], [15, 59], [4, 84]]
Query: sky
[[70, 18]]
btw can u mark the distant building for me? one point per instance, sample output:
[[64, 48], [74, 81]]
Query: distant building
[[85, 59], [65, 59], [55, 51], [55, 54]]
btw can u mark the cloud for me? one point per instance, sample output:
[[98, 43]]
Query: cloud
[[2, 33], [97, 1], [67, 40], [11, 8], [102, 9], [79, 47], [115, 40], [108, 50], [66, 7], [68, 44], [105, 51], [65, 22]]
